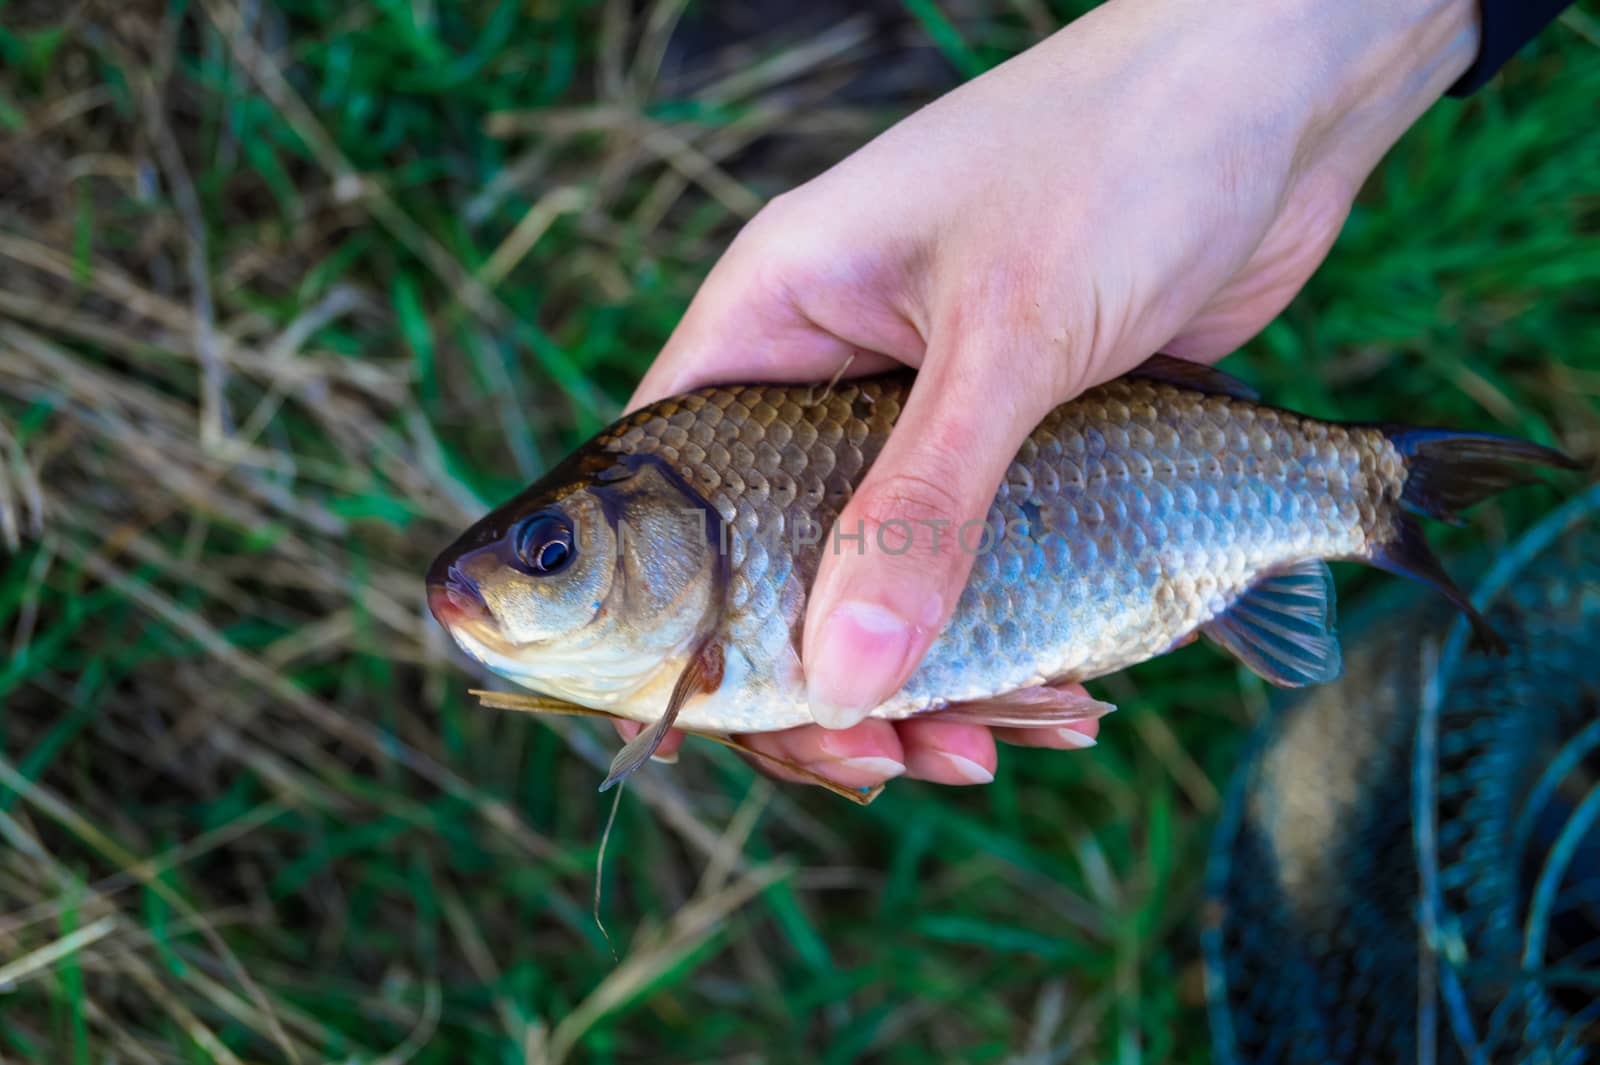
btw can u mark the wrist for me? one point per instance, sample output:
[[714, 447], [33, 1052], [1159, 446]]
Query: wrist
[[1325, 82], [1340, 81], [1385, 62]]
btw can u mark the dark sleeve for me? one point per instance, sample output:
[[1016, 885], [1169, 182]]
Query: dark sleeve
[[1507, 26]]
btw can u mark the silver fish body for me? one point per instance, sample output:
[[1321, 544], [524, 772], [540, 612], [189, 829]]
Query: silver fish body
[[1128, 520], [1152, 507]]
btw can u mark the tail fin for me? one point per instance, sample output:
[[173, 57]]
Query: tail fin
[[1447, 472]]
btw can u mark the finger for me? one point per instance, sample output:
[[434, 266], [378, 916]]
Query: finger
[[667, 752], [1073, 737], [860, 757], [948, 752], [879, 601]]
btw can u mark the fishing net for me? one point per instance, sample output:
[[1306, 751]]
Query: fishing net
[[1408, 864]]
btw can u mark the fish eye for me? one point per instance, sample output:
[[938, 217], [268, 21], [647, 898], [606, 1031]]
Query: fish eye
[[543, 545]]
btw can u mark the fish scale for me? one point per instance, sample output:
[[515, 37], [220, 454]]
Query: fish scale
[[1153, 507], [1140, 512]]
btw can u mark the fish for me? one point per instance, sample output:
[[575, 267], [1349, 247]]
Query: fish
[[1335, 928], [660, 572]]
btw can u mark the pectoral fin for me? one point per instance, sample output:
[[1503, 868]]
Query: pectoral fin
[[702, 674], [1283, 627]]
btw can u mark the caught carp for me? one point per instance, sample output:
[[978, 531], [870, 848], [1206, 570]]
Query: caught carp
[[660, 572]]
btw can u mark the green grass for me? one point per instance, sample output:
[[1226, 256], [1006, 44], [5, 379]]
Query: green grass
[[249, 813]]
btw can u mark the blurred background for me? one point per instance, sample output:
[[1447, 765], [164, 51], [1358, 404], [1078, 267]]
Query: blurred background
[[291, 292]]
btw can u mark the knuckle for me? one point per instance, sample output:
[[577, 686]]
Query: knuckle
[[1033, 342], [913, 497], [1006, 293], [757, 239], [775, 216]]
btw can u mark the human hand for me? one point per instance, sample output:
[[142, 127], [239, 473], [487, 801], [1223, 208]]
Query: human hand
[[1159, 175]]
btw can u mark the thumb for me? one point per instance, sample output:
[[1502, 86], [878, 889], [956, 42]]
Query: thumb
[[880, 600]]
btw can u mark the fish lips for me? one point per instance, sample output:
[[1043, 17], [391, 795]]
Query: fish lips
[[455, 601]]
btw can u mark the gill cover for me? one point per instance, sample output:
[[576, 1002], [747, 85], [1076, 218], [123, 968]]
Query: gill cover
[[651, 483]]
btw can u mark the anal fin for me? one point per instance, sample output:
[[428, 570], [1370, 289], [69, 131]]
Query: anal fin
[[1282, 627], [1038, 707]]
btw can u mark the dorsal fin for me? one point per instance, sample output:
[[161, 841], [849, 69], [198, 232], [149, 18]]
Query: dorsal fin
[[1195, 376], [1282, 627]]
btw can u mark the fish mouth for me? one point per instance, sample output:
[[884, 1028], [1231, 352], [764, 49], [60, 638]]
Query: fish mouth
[[454, 606], [470, 624], [461, 610], [472, 627], [458, 606], [453, 597]]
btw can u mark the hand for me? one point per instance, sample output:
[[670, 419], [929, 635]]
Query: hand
[[1159, 175]]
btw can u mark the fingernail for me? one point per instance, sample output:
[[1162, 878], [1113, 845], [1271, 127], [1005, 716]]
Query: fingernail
[[966, 769], [1073, 738], [860, 772], [861, 649], [665, 759]]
